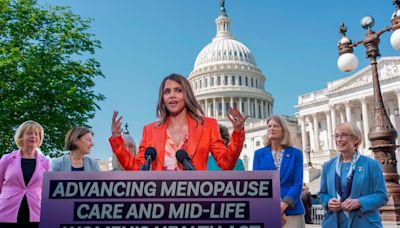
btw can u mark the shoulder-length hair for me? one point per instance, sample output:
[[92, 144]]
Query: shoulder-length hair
[[26, 126], [74, 134], [286, 140], [192, 105]]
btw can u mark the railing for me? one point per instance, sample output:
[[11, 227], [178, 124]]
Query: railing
[[317, 213]]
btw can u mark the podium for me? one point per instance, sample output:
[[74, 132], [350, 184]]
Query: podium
[[161, 199]]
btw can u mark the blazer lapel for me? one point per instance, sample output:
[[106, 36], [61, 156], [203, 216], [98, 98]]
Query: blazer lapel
[[358, 178], [158, 138], [331, 179], [18, 166], [194, 135]]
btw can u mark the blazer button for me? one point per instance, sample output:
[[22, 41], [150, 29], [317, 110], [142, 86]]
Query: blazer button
[[359, 216]]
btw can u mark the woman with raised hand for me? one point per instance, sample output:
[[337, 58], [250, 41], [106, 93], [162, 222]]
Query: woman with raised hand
[[181, 125]]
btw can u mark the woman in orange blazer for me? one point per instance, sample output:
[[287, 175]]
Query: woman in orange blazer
[[181, 125]]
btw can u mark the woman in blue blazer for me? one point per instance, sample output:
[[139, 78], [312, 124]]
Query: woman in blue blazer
[[280, 155], [352, 185]]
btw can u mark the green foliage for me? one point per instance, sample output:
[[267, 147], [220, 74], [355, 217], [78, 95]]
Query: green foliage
[[45, 72]]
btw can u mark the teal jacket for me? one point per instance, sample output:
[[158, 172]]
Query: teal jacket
[[368, 187], [212, 164]]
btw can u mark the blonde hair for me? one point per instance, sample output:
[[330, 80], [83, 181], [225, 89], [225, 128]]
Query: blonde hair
[[74, 134], [192, 105], [28, 126], [286, 140], [353, 130]]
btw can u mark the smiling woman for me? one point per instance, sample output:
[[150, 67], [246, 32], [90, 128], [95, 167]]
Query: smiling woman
[[352, 185], [21, 174], [181, 125], [79, 142]]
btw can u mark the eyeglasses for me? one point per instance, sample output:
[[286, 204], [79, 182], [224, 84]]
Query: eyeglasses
[[342, 136]]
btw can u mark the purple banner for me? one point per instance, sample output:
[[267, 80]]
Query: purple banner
[[161, 199]]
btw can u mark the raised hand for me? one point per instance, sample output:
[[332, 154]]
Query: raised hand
[[236, 118], [116, 125]]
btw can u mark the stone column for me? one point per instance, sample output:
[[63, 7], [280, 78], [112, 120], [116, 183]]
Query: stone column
[[312, 133], [248, 107], [316, 132], [223, 106], [262, 110], [348, 111], [206, 107], [329, 129], [333, 117], [364, 110], [266, 110], [256, 108], [215, 108], [231, 102], [342, 117], [240, 105], [304, 141]]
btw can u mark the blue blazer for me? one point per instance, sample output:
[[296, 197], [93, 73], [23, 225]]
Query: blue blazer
[[291, 175], [368, 187]]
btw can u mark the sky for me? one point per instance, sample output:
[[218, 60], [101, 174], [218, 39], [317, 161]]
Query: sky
[[294, 44]]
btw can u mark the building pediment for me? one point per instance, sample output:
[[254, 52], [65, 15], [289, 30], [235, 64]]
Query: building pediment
[[388, 68]]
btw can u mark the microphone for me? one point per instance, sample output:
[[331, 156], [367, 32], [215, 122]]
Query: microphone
[[183, 158], [150, 154]]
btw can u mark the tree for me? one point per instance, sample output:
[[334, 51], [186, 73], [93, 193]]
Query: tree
[[46, 71]]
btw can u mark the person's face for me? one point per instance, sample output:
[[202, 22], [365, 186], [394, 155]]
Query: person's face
[[174, 98], [130, 147], [31, 138], [85, 143], [345, 141], [275, 131]]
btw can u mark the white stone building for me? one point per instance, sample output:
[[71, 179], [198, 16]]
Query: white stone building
[[349, 99], [225, 75]]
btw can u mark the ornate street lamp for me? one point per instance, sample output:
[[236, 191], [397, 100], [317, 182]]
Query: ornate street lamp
[[382, 133]]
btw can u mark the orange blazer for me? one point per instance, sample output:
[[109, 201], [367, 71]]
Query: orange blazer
[[202, 139]]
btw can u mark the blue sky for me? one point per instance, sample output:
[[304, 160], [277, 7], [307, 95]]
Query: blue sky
[[294, 44]]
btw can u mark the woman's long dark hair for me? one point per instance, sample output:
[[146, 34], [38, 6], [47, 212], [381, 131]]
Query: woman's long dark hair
[[192, 105]]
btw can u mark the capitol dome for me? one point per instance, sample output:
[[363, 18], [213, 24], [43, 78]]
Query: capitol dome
[[225, 75], [221, 50]]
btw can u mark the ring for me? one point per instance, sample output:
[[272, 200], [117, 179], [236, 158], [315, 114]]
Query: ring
[[234, 119]]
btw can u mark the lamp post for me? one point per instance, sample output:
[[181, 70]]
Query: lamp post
[[382, 133]]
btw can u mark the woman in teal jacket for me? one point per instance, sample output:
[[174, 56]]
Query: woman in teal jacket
[[352, 185], [280, 155]]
